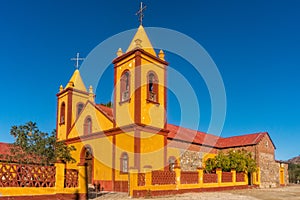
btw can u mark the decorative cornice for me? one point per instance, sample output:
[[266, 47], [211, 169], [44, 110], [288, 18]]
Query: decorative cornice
[[118, 59]]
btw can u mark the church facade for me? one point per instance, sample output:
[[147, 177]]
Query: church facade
[[134, 133]]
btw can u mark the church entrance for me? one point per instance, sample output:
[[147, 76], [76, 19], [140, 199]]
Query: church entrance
[[87, 157]]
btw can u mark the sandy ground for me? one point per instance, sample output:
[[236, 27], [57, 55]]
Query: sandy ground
[[290, 192]]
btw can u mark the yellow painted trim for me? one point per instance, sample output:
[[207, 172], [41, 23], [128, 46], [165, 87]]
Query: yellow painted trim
[[25, 191]]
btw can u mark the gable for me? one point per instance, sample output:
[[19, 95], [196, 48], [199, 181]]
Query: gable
[[101, 120], [241, 140], [266, 145]]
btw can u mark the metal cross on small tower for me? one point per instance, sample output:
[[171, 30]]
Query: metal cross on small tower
[[77, 60], [140, 13]]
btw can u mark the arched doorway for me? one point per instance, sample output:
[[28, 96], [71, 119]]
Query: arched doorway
[[87, 158]]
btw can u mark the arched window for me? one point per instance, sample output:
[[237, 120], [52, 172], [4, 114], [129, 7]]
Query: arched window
[[124, 163], [62, 117], [152, 87], [125, 86], [79, 108], [87, 126]]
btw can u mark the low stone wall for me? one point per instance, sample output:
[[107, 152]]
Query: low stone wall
[[155, 183]]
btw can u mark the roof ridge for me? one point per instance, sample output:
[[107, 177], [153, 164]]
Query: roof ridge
[[6, 143], [198, 131], [242, 135]]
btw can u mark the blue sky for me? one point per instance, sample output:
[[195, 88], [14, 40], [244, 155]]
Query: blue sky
[[255, 45]]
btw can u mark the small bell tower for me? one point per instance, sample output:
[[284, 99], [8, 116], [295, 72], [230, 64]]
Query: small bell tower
[[71, 100]]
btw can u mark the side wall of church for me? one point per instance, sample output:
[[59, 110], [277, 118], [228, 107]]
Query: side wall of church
[[270, 169], [189, 156], [264, 154]]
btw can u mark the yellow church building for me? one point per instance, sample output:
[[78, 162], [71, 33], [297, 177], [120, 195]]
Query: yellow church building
[[134, 134]]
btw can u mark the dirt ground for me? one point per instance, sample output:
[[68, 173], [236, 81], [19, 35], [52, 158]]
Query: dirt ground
[[289, 192]]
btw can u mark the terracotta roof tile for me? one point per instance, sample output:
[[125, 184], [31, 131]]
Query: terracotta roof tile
[[108, 111], [5, 151], [198, 137], [242, 140], [4, 148], [191, 136]]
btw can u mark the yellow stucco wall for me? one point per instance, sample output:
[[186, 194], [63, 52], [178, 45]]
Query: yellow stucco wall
[[102, 153], [77, 98], [152, 150], [124, 143], [99, 121]]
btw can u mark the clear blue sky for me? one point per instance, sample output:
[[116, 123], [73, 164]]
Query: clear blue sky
[[255, 45]]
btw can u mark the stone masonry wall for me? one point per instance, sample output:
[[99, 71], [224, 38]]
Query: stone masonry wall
[[190, 160], [269, 170], [250, 148]]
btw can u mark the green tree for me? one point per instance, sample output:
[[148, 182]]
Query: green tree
[[108, 104], [210, 165], [34, 146], [294, 172], [239, 160]]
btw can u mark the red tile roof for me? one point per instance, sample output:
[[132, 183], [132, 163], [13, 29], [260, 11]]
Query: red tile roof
[[5, 151], [242, 140], [106, 110], [4, 148], [202, 138], [198, 137], [191, 136]]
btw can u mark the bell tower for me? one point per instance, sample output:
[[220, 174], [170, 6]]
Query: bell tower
[[140, 84], [70, 102]]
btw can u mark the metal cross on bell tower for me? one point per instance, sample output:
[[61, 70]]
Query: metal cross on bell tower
[[77, 59], [140, 13]]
